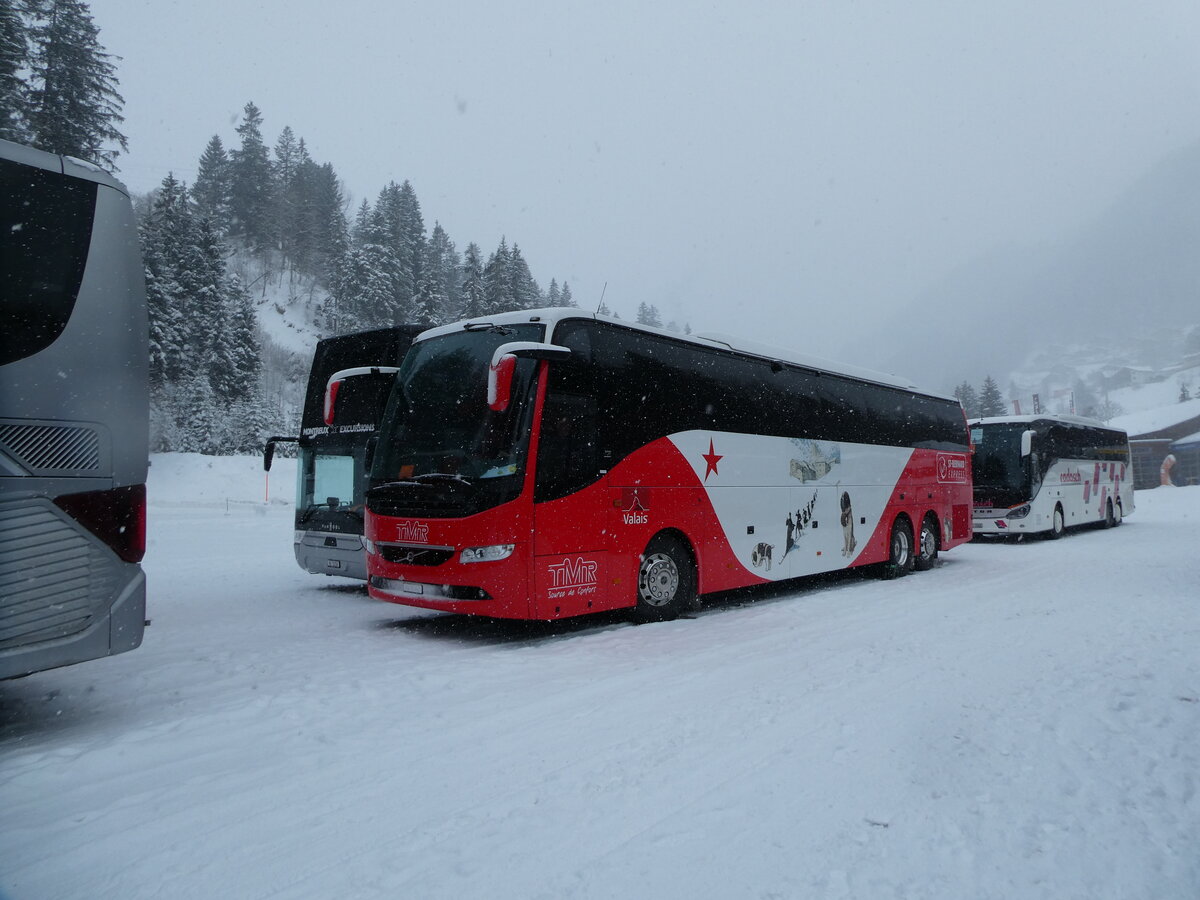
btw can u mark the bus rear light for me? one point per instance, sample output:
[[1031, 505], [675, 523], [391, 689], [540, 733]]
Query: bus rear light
[[487, 554], [117, 517]]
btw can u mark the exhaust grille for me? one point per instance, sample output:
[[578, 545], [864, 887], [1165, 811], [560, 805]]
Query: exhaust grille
[[47, 449]]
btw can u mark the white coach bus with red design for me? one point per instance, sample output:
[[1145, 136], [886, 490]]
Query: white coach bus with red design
[[1045, 474], [551, 463]]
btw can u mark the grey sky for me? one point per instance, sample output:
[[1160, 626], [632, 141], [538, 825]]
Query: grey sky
[[777, 170]]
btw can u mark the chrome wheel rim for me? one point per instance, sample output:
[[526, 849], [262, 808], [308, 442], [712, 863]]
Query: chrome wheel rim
[[900, 548], [928, 543], [658, 579]]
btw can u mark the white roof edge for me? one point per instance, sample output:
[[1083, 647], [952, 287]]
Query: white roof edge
[[783, 354], [62, 165], [1042, 417], [551, 316]]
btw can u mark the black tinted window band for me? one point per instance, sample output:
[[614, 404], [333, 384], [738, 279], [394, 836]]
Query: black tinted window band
[[45, 230]]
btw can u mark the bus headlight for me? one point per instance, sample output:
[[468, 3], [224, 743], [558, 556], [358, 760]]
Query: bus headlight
[[369, 546], [1019, 513], [487, 554]]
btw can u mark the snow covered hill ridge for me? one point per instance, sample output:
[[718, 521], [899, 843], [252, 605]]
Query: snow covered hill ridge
[[1151, 370], [1132, 373]]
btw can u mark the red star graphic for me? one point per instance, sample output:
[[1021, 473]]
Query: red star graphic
[[711, 458]]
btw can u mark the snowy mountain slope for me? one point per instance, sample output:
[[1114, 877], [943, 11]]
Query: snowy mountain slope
[[286, 303], [1020, 722]]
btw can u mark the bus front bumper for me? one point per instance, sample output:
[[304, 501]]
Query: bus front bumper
[[320, 553], [489, 588], [1001, 522]]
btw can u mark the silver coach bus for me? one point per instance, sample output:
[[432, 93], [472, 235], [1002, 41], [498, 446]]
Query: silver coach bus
[[74, 420]]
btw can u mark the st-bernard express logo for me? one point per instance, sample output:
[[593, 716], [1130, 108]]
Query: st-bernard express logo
[[951, 469], [413, 532]]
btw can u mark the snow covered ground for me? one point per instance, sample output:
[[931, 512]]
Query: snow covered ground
[[1023, 721]]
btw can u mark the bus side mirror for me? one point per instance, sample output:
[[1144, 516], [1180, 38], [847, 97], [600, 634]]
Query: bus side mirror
[[504, 363], [331, 392], [1027, 443], [336, 379], [269, 449], [500, 375]]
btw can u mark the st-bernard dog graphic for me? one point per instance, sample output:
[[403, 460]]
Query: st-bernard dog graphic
[[848, 542], [761, 555]]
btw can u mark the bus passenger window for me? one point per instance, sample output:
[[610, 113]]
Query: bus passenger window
[[568, 458]]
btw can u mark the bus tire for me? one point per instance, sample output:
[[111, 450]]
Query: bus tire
[[1058, 524], [666, 583], [900, 550], [927, 545], [1110, 517], [1120, 513]]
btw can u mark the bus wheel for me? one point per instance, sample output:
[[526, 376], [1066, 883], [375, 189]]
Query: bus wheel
[[927, 545], [1110, 518], [1057, 526], [900, 550], [1120, 514], [666, 580]]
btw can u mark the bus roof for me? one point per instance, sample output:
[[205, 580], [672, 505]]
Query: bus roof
[[63, 165], [374, 347], [1049, 418], [552, 316]]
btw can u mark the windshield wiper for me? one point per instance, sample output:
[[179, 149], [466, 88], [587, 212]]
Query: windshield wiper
[[425, 480], [441, 476], [487, 326]]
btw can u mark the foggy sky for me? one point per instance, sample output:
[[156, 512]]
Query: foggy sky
[[783, 171]]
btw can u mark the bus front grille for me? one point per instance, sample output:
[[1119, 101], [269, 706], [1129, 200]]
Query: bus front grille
[[52, 574], [415, 554]]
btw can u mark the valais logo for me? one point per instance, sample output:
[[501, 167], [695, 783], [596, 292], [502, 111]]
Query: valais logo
[[951, 469], [575, 573], [413, 532], [635, 503]]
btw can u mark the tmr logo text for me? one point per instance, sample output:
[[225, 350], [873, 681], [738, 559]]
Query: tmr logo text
[[578, 573], [572, 578], [413, 532], [951, 469]]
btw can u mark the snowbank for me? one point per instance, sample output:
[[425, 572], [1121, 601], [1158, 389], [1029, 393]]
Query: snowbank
[[1019, 722], [191, 479]]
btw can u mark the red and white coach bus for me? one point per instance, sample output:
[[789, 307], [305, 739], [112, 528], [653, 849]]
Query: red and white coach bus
[[550, 463]]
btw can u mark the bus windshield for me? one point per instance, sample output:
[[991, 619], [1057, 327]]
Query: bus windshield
[[438, 423], [998, 464], [330, 476]]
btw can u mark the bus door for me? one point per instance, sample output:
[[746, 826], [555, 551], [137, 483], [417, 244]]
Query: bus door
[[570, 510]]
